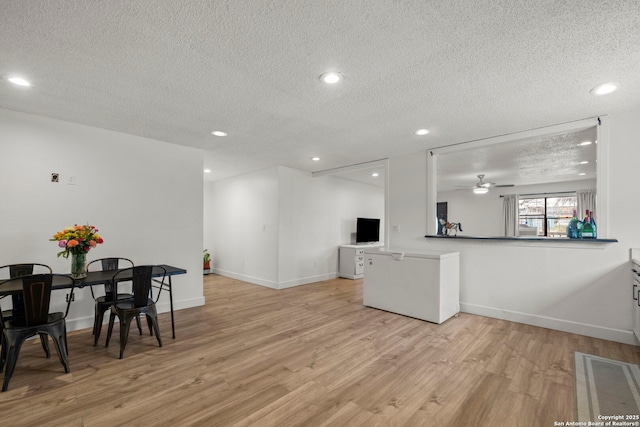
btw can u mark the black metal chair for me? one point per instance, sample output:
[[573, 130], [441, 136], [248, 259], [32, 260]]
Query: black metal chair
[[37, 320], [104, 302], [18, 270], [142, 302]]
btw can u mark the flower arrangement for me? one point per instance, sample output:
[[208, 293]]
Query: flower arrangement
[[77, 239]]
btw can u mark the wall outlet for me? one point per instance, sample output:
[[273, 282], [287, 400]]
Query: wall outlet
[[396, 228], [73, 297], [55, 177]]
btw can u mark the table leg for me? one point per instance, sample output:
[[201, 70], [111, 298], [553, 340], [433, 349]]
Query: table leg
[[173, 326]]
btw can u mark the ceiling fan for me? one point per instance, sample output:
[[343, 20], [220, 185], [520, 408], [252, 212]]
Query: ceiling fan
[[482, 187]]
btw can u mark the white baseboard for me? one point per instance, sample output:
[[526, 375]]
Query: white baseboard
[[81, 323], [86, 322], [246, 278], [164, 306], [276, 285], [618, 335], [306, 280]]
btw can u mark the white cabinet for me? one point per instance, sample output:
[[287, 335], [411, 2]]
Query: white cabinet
[[421, 285], [351, 260]]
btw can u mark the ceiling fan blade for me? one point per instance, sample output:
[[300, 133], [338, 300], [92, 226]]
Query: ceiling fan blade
[[483, 184]]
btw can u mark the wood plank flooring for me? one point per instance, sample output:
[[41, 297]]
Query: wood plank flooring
[[306, 356]]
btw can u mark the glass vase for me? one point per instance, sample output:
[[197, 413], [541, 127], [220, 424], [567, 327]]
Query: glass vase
[[79, 265]]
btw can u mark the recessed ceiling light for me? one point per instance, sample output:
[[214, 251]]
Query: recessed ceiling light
[[604, 89], [375, 174], [331, 77], [18, 81], [315, 159], [218, 133], [584, 162], [481, 190], [207, 171], [585, 143], [582, 173], [422, 132]]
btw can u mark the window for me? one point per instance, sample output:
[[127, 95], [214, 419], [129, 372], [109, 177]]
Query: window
[[546, 216], [460, 153]]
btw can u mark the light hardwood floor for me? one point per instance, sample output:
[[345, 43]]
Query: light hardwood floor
[[306, 356]]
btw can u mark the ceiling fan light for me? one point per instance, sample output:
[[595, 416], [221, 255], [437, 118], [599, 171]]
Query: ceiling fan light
[[480, 190]]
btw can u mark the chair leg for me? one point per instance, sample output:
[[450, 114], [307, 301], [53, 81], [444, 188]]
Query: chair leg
[[95, 319], [12, 358], [66, 344], [61, 347], [45, 345], [150, 326], [125, 324], [138, 323], [97, 323], [112, 318], [153, 318], [3, 353], [96, 332]]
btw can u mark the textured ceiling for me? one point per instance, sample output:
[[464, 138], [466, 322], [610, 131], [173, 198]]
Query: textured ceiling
[[176, 70], [540, 160]]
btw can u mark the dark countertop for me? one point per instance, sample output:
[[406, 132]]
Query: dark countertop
[[523, 239]]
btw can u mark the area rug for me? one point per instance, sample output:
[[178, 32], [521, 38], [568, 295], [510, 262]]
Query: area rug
[[605, 387]]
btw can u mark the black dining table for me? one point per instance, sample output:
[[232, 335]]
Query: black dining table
[[95, 278]]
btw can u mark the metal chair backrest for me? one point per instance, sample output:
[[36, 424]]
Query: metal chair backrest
[[24, 269], [37, 298], [108, 264], [36, 291], [142, 285], [141, 277]]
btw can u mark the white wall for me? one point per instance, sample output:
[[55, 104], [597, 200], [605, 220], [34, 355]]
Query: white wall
[[281, 227], [582, 288], [244, 224], [317, 215], [145, 197], [407, 200], [481, 214]]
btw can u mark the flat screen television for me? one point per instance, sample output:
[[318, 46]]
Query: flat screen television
[[367, 230]]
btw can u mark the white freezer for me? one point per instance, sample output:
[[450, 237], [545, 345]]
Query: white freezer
[[421, 285]]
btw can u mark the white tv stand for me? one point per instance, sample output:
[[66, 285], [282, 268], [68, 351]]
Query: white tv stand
[[351, 260]]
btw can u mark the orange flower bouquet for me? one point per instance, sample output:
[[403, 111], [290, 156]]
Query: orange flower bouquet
[[78, 239]]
